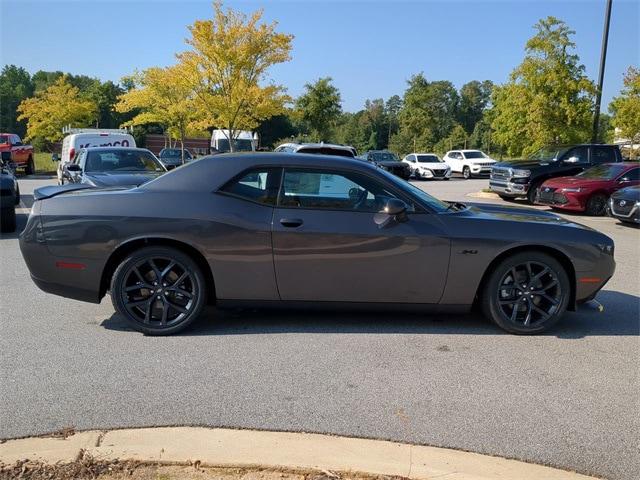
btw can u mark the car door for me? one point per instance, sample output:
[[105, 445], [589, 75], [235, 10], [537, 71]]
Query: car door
[[575, 160], [19, 150], [630, 178], [330, 243]]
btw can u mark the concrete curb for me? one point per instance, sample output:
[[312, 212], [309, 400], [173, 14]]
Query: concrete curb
[[227, 447], [482, 194]]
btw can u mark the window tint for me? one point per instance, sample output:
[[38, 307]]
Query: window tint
[[631, 176], [259, 185], [603, 155], [581, 153], [125, 160], [332, 190]]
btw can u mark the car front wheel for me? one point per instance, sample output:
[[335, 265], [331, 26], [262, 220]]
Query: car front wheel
[[597, 205], [8, 219], [158, 290], [466, 172], [526, 293]]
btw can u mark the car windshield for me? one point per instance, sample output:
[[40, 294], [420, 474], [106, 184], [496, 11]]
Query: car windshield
[[475, 154], [384, 157], [435, 204], [4, 139], [174, 153], [547, 154], [122, 160], [429, 159], [604, 172], [242, 145]]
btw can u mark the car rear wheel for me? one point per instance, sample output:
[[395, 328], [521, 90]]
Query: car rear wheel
[[526, 293], [159, 290], [597, 205], [532, 194], [8, 219], [466, 172]]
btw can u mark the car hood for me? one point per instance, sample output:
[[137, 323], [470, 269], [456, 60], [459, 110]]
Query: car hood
[[433, 165], [629, 193], [519, 215], [172, 161], [568, 182], [522, 163], [117, 179]]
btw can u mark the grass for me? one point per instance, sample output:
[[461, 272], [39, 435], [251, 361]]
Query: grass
[[44, 164]]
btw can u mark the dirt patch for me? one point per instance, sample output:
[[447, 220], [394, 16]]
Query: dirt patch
[[88, 467]]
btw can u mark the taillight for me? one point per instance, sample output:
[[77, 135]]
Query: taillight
[[72, 153]]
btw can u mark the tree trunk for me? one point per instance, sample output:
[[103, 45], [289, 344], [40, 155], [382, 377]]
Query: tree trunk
[[232, 146]]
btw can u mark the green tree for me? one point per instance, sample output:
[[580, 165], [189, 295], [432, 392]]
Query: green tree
[[319, 108], [626, 107], [15, 86], [428, 115], [54, 108], [227, 66], [475, 97], [548, 98]]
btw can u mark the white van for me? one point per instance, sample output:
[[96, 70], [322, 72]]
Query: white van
[[88, 138], [245, 141]]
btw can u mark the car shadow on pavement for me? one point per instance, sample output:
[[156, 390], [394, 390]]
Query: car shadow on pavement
[[623, 318]]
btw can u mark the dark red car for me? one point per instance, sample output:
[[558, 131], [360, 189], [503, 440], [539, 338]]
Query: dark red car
[[589, 191]]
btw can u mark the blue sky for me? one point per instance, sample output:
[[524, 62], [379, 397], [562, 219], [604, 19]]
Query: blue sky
[[369, 48]]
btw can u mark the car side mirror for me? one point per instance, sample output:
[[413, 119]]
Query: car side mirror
[[74, 168], [55, 157], [573, 159], [394, 210]]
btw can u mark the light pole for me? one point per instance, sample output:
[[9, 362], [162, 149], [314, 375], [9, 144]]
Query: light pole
[[603, 59]]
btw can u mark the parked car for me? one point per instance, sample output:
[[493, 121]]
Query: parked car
[[21, 154], [259, 230], [470, 163], [78, 138], [625, 204], [317, 149], [172, 157], [112, 167], [522, 178], [244, 141], [388, 161], [9, 193], [589, 191], [427, 166]]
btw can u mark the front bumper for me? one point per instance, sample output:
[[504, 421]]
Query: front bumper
[[428, 174], [562, 200], [508, 188], [624, 214]]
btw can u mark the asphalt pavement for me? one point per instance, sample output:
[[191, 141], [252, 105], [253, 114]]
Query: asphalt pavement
[[569, 398]]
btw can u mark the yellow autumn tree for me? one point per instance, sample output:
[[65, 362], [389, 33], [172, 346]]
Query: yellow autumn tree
[[228, 66], [164, 96], [50, 110]]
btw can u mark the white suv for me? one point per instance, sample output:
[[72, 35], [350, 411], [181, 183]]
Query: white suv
[[427, 166], [469, 163]]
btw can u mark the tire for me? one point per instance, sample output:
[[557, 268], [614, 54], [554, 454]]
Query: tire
[[466, 172], [8, 219], [17, 200], [180, 296], [532, 193], [597, 205], [518, 309], [30, 168]]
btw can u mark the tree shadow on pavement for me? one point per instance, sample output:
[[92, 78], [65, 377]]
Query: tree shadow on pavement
[[620, 317]]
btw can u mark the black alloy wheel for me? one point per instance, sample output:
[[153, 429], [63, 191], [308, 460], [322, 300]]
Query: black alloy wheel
[[159, 290], [527, 293], [597, 205]]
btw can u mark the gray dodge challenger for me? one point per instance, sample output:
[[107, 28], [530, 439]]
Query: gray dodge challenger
[[305, 231]]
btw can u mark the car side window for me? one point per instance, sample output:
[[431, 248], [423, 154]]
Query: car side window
[[258, 185], [631, 176], [603, 155], [411, 158], [581, 154], [332, 190]]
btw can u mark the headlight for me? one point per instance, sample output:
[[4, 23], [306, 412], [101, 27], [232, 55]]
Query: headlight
[[572, 190], [520, 173]]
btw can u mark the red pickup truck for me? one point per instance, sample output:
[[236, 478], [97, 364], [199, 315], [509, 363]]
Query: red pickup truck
[[21, 155]]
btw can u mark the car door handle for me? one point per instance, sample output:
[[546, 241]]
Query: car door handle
[[291, 222]]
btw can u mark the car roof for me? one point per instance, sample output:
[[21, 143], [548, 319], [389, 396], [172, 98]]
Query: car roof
[[426, 153], [98, 149], [211, 172], [316, 145]]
